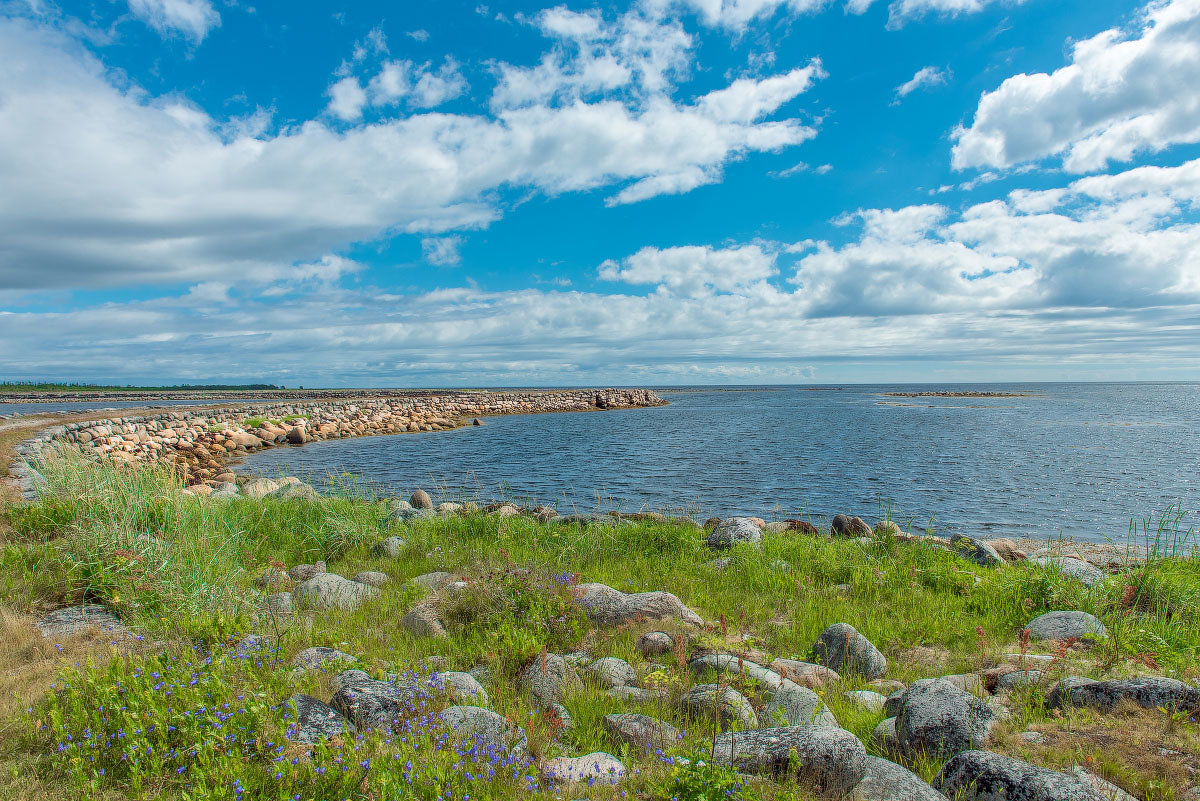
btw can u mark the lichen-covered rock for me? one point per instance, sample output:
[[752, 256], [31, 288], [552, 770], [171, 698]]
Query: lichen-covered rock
[[636, 694], [641, 731], [984, 776], [463, 687], [391, 547], [884, 736], [975, 550], [806, 674], [423, 621], [594, 768], [867, 700], [371, 704], [372, 577], [74, 620], [887, 781], [793, 705], [487, 728], [1149, 692], [939, 719], [655, 643], [331, 591], [727, 705], [1017, 678], [317, 657], [1066, 625], [840, 647], [1087, 573], [608, 607], [734, 531], [610, 671], [309, 720], [830, 759], [549, 679]]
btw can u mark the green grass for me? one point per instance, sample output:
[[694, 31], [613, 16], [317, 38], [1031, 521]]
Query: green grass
[[181, 570]]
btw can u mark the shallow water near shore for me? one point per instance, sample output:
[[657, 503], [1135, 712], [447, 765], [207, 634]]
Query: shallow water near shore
[[1075, 460]]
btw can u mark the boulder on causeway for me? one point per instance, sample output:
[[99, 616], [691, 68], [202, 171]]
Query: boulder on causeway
[[840, 647]]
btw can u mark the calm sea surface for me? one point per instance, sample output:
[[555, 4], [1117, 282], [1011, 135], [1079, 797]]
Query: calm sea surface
[[1076, 459]]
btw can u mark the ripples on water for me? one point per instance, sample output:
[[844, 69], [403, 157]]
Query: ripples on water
[[1076, 459]]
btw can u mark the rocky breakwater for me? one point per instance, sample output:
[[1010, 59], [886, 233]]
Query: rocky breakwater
[[198, 442]]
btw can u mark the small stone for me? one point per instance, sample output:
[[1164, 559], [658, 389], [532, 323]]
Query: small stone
[[842, 648], [391, 547], [487, 728], [548, 679], [280, 604], [1018, 678], [317, 657], [730, 707], [594, 768], [867, 700], [734, 531], [331, 591], [371, 577], [1066, 626], [846, 526], [884, 736], [793, 705], [77, 619], [611, 672], [637, 695], [423, 621], [655, 643], [559, 715], [421, 500], [305, 572], [975, 550], [806, 674], [1033, 737], [433, 581], [641, 731]]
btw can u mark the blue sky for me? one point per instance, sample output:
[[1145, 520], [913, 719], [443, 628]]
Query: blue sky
[[655, 192]]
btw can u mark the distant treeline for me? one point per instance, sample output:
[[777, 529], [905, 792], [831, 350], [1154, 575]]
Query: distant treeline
[[42, 386]]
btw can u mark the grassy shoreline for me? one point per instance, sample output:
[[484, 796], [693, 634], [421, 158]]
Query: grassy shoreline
[[183, 572]]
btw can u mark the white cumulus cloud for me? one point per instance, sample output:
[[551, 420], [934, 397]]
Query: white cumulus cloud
[[924, 77], [192, 19], [1123, 93]]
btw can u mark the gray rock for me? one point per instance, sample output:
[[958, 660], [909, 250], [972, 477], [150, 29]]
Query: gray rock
[[423, 621], [1105, 788], [309, 720], [433, 581], [655, 643], [1087, 573], [559, 713], [487, 728], [583, 519], [731, 708], [1149, 692], [1033, 737], [893, 704], [734, 531], [463, 687], [975, 550], [984, 776], [372, 704], [884, 736], [641, 731], [331, 591], [1065, 626], [297, 490], [1061, 692], [349, 678], [421, 500], [867, 700], [405, 515], [371, 577], [840, 647], [391, 547], [482, 674], [769, 680], [280, 604], [594, 768], [1018, 678], [77, 619], [548, 680], [317, 657], [806, 674], [939, 719], [578, 659], [637, 695], [793, 705], [970, 682], [305, 572], [608, 607], [611, 672], [887, 781], [829, 758]]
